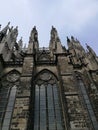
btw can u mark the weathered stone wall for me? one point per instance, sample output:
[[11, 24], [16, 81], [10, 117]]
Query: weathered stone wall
[[76, 113], [63, 65], [21, 109], [76, 72]]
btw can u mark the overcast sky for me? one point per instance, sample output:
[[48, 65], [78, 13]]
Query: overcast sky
[[70, 17]]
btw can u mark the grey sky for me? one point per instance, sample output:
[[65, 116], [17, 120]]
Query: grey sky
[[71, 17]]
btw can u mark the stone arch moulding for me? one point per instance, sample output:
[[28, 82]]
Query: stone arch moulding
[[47, 102], [43, 71], [11, 70], [14, 70]]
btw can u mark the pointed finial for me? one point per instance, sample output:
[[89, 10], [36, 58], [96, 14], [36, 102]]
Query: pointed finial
[[35, 27], [8, 23], [72, 37], [87, 46], [20, 42], [52, 27], [90, 49], [10, 29], [68, 40], [21, 38], [25, 46], [16, 27]]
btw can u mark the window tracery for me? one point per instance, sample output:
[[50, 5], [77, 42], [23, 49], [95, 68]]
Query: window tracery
[[8, 90], [47, 108]]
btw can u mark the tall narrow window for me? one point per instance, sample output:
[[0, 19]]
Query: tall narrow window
[[9, 109], [88, 103], [4, 92], [47, 109], [7, 98]]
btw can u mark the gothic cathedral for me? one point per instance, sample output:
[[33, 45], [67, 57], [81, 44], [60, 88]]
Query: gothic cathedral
[[50, 88]]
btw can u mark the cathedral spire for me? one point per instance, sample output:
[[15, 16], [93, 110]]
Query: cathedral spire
[[55, 43], [54, 33], [33, 40], [69, 43], [90, 50], [4, 31], [68, 40], [33, 35]]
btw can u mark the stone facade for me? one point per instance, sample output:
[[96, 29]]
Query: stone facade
[[47, 88]]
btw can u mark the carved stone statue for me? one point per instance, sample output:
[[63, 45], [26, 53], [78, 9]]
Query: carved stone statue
[[20, 43], [54, 33], [14, 34], [34, 35]]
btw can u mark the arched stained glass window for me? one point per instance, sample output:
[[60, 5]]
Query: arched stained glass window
[[47, 107]]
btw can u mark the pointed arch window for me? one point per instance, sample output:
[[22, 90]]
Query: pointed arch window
[[9, 109], [4, 93], [47, 108], [87, 101], [7, 98]]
